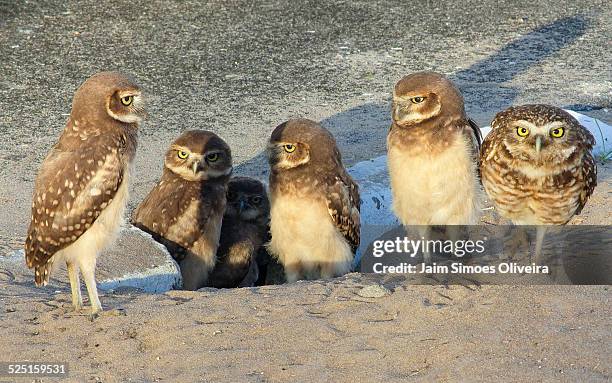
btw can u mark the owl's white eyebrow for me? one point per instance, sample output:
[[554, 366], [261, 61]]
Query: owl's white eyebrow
[[178, 147], [531, 126], [526, 124], [553, 125], [135, 93]]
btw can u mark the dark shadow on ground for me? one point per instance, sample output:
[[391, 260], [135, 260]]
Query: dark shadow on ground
[[483, 85]]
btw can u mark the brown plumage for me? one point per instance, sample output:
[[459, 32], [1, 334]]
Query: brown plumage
[[537, 168], [244, 231], [432, 154], [81, 188], [536, 165], [185, 209], [314, 202]]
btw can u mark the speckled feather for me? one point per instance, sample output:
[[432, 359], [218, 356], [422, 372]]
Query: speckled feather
[[315, 223], [433, 152], [169, 200], [324, 177], [559, 190], [343, 204], [78, 179]]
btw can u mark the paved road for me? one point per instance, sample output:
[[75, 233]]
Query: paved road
[[239, 69]]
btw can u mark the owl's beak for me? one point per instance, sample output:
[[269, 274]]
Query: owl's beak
[[241, 206], [397, 115], [538, 144], [194, 167]]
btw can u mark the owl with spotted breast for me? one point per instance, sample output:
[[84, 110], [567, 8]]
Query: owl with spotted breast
[[81, 189], [184, 211], [432, 149], [244, 232], [314, 203], [536, 166]]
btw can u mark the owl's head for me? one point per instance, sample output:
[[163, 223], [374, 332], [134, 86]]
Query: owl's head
[[300, 142], [199, 155], [424, 96], [541, 134], [108, 95], [247, 199]]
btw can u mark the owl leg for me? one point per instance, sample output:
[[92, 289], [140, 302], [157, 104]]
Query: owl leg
[[540, 232], [195, 272], [424, 231], [516, 243], [293, 272], [328, 270], [88, 271], [453, 233], [75, 285], [555, 258]]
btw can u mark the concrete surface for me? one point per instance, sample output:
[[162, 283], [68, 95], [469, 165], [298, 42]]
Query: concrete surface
[[134, 260], [240, 68]]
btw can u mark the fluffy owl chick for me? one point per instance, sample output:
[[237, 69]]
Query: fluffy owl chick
[[432, 154], [537, 167], [82, 186], [185, 209], [314, 202], [243, 234]]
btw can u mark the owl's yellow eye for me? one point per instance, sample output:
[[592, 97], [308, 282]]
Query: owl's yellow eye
[[182, 154], [212, 157], [417, 100], [289, 148], [557, 133], [127, 100], [522, 131]]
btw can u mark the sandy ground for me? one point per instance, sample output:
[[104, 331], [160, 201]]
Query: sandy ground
[[321, 332], [240, 69]]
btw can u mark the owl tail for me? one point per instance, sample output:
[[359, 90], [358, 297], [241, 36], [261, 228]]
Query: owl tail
[[41, 275]]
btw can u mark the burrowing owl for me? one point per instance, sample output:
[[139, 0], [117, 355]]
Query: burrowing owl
[[536, 166], [243, 234], [185, 209], [82, 186], [315, 203], [432, 154]]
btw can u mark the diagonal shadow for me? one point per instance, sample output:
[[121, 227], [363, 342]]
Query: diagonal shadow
[[363, 129], [519, 55]]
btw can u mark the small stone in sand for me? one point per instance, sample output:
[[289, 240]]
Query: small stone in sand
[[374, 291]]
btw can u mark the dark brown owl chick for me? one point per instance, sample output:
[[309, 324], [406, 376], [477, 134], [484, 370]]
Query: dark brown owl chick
[[537, 167], [184, 210], [243, 234]]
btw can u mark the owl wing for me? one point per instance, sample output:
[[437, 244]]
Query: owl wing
[[72, 189], [589, 173], [474, 136], [151, 215], [161, 209], [489, 146], [343, 205], [167, 205], [476, 131]]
